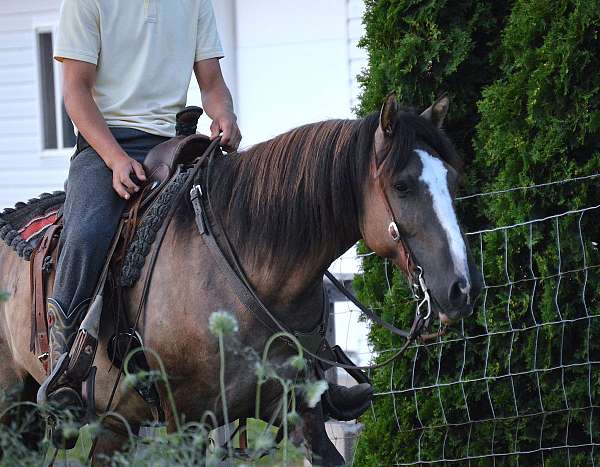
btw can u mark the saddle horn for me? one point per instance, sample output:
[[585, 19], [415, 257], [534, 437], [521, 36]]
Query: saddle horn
[[186, 121]]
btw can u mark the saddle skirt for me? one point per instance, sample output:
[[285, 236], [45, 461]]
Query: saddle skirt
[[23, 226]]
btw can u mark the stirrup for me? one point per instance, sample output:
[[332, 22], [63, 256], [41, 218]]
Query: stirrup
[[53, 392], [345, 404], [80, 408], [52, 380], [64, 433]]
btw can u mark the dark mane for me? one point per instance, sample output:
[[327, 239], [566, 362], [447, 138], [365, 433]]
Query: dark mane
[[299, 193]]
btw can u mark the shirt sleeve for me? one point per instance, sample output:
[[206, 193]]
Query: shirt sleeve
[[78, 36], [208, 43]]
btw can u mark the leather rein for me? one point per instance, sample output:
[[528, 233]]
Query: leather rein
[[232, 269], [210, 228]]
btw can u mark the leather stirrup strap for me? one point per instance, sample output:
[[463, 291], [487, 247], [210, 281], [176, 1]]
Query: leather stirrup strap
[[193, 172], [39, 271]]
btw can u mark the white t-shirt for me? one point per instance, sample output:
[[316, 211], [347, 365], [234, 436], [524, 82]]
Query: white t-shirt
[[144, 51]]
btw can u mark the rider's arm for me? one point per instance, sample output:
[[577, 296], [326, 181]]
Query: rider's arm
[[217, 102], [78, 45], [78, 82]]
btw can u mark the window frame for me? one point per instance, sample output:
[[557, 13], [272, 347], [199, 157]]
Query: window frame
[[61, 151]]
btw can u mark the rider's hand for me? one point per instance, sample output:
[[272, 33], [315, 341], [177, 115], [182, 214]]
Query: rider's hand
[[226, 126], [122, 170]]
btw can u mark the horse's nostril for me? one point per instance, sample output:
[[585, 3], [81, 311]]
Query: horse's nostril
[[458, 295]]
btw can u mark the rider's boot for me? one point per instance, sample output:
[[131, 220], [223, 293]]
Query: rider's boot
[[62, 389], [347, 403]]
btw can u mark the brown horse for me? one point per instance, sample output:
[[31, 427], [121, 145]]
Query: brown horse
[[290, 206]]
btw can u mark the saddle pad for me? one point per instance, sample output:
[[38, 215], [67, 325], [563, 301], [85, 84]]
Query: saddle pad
[[22, 227]]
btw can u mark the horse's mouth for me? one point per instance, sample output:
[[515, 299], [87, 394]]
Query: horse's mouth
[[455, 316], [445, 320]]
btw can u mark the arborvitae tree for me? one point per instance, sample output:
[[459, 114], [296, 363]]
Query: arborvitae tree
[[524, 79]]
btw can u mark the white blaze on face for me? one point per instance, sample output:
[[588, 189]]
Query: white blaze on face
[[434, 176]]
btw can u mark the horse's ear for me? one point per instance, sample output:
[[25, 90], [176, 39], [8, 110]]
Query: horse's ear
[[388, 114], [387, 124], [437, 112]]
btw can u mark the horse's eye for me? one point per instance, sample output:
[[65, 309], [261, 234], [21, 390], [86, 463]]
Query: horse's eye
[[402, 189]]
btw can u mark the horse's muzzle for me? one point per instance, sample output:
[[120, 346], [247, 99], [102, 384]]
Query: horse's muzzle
[[451, 317]]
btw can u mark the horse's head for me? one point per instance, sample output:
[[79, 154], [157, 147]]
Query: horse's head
[[408, 213]]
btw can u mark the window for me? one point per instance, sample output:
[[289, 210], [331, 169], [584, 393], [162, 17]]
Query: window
[[56, 126]]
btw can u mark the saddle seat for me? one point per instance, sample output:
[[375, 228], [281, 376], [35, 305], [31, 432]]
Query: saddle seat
[[161, 161]]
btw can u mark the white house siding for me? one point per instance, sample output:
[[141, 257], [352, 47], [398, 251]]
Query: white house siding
[[24, 172], [225, 12], [357, 57], [293, 64], [288, 63]]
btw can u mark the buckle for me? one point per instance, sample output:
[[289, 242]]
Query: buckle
[[196, 192]]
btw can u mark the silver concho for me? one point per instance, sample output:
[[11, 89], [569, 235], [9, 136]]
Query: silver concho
[[393, 230]]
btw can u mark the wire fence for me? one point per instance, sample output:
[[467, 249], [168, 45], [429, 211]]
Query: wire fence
[[518, 383]]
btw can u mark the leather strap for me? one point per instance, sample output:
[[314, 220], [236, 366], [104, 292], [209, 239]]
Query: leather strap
[[214, 236], [40, 266], [370, 314], [240, 284], [405, 260]]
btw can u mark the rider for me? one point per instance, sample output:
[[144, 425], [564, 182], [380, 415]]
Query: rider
[[126, 71]]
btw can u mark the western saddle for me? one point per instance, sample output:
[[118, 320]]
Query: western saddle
[[160, 165]]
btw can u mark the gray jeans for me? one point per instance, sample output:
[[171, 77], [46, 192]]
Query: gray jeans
[[91, 216]]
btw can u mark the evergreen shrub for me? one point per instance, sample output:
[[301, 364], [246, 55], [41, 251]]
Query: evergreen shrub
[[524, 82]]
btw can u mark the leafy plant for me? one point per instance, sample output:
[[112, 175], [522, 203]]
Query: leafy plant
[[189, 445]]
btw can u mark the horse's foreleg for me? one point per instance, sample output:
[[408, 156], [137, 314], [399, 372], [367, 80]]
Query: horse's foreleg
[[322, 449], [17, 394], [113, 437]]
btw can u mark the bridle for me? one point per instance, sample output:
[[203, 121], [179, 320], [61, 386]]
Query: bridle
[[407, 262], [208, 225]]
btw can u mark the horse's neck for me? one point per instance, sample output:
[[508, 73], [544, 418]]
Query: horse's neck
[[277, 279], [298, 286]]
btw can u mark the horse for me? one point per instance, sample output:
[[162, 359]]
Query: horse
[[290, 206]]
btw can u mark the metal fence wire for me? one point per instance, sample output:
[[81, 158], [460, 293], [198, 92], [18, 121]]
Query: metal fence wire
[[519, 382]]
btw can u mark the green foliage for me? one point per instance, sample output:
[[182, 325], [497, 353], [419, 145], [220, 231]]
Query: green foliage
[[524, 82], [24, 440], [420, 49]]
